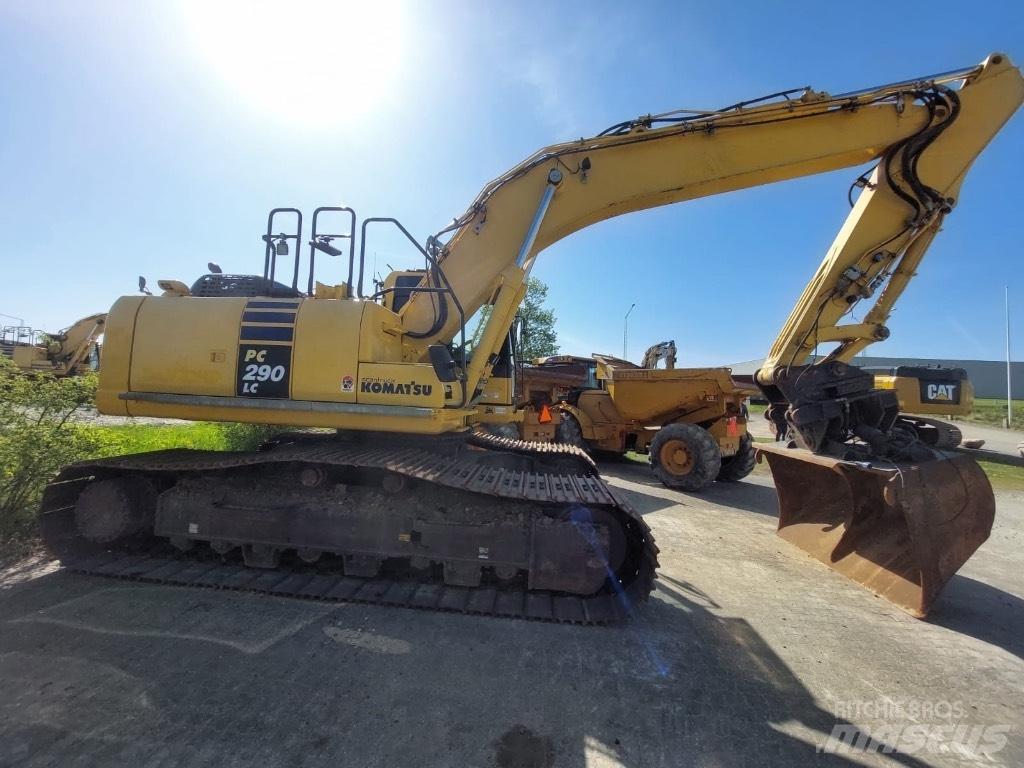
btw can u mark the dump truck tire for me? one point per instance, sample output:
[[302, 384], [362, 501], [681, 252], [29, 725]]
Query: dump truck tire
[[570, 432], [685, 456], [739, 465]]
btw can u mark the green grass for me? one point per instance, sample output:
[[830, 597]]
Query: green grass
[[1004, 477], [987, 410], [991, 410], [139, 438]]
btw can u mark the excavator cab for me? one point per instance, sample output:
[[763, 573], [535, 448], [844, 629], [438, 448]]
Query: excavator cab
[[398, 287]]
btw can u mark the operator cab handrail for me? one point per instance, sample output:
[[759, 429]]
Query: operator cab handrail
[[433, 267]]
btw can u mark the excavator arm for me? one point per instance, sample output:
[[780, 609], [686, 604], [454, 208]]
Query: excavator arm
[[77, 340], [663, 350], [922, 129]]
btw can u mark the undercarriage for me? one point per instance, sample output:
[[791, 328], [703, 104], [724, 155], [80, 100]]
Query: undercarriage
[[468, 523]]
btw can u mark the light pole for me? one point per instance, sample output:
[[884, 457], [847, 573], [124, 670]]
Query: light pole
[[625, 329], [20, 320], [1009, 388]]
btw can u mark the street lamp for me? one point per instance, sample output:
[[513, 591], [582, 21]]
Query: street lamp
[[1009, 387], [625, 329]]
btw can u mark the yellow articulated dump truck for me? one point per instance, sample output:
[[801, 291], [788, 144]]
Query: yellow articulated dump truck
[[691, 421], [402, 501]]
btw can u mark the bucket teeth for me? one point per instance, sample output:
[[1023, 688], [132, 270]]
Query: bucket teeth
[[900, 530]]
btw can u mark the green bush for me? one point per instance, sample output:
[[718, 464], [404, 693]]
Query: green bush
[[246, 437], [37, 437], [40, 434]]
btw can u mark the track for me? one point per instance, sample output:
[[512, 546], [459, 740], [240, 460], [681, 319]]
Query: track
[[491, 479], [934, 432]]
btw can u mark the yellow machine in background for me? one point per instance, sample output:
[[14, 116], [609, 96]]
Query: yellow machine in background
[[925, 391], [408, 495], [69, 352], [690, 420]]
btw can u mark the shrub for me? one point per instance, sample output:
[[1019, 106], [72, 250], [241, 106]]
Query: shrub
[[38, 436], [246, 437]]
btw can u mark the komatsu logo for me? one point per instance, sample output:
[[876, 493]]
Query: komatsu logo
[[941, 391], [392, 387]]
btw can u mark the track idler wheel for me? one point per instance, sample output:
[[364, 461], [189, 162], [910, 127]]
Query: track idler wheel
[[899, 529], [108, 510]]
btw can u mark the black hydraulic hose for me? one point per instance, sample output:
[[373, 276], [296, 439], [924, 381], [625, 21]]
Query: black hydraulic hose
[[911, 150], [440, 310], [903, 146], [952, 103], [915, 146]]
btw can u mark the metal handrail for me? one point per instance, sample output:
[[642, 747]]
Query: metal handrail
[[270, 256], [351, 242], [432, 264]]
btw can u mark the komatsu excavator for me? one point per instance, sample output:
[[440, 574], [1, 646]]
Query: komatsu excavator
[[408, 504]]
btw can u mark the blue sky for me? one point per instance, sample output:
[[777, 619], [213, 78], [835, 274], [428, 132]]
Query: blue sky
[[152, 137]]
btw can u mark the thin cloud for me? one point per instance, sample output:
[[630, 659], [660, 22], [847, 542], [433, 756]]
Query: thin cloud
[[560, 76]]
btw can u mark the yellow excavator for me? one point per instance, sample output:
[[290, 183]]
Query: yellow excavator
[[69, 352], [407, 503], [925, 392]]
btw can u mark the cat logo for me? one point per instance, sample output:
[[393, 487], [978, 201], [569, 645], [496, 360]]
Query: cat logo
[[942, 392]]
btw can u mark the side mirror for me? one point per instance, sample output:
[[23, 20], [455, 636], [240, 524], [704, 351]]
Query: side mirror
[[142, 286], [444, 366]]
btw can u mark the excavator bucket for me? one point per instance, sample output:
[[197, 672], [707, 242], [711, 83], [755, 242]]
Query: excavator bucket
[[899, 529]]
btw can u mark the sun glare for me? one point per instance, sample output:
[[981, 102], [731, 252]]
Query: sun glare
[[303, 61]]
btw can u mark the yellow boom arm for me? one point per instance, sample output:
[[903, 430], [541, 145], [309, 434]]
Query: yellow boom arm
[[569, 186]]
